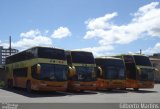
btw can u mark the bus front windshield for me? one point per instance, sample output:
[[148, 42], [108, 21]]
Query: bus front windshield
[[85, 73], [146, 75], [51, 72], [114, 69], [142, 61]]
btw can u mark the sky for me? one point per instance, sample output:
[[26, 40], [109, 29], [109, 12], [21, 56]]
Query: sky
[[104, 27]]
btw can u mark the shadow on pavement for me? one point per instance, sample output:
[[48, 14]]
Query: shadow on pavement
[[115, 91], [81, 92], [35, 94], [142, 91]]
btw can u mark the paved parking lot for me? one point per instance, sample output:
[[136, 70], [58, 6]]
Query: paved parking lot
[[18, 95]]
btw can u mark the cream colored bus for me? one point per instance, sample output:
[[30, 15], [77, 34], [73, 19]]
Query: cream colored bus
[[38, 68], [83, 75]]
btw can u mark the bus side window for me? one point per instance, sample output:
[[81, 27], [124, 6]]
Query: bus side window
[[20, 72]]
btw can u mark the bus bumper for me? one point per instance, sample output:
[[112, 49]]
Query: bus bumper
[[58, 86], [145, 85], [113, 84], [79, 86]]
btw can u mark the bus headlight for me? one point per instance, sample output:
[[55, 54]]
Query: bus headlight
[[139, 69]]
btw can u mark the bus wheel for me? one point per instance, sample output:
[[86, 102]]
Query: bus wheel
[[110, 89], [10, 83], [136, 89], [28, 87], [123, 89]]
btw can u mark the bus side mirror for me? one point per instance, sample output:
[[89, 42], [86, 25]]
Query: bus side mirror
[[155, 69], [72, 71], [38, 68], [99, 71]]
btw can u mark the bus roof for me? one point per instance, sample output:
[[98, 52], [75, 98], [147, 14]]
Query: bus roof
[[78, 51], [107, 57], [130, 55], [32, 48]]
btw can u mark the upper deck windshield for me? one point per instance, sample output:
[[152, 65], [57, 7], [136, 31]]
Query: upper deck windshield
[[51, 53], [142, 61], [82, 57]]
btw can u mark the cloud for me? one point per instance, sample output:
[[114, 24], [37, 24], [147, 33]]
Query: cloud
[[31, 34], [36, 37], [97, 51], [154, 49], [61, 32], [145, 23], [30, 39], [100, 22]]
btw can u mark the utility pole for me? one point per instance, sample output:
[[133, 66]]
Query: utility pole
[[10, 46], [140, 51]]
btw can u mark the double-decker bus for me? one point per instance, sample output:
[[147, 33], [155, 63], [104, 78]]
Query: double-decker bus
[[38, 68], [111, 73], [139, 71], [156, 64], [82, 75]]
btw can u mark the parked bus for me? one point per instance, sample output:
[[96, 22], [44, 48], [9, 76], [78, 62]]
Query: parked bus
[[111, 73], [139, 71], [156, 63], [38, 68], [83, 74]]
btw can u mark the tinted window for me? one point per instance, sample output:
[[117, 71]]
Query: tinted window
[[146, 75], [22, 56], [82, 57], [112, 68], [51, 72], [110, 62], [130, 67], [142, 60], [51, 53], [32, 53], [85, 73], [20, 72]]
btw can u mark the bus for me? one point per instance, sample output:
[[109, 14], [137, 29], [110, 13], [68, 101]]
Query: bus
[[139, 71], [38, 68], [156, 64], [83, 74], [110, 73]]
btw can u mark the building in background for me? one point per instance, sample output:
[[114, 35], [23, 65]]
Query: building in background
[[155, 60], [4, 52]]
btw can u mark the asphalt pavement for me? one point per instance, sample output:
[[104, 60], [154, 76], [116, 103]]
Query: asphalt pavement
[[18, 95]]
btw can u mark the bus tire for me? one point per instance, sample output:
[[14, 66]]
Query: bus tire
[[136, 89], [123, 89], [10, 83], [28, 87], [110, 89]]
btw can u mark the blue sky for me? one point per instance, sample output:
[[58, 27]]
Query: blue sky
[[101, 26]]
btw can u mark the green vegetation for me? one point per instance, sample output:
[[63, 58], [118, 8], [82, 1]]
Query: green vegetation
[[2, 84]]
